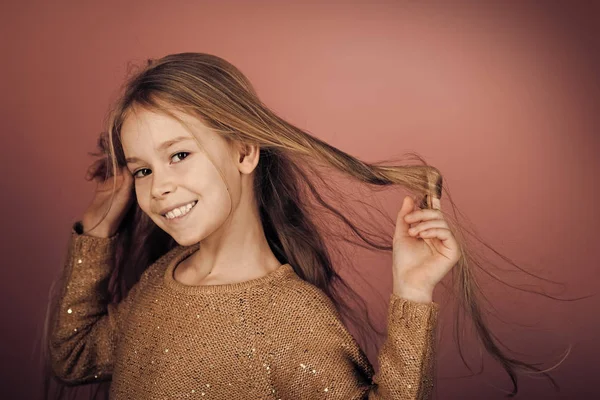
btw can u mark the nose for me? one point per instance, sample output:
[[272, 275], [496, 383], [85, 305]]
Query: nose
[[162, 184]]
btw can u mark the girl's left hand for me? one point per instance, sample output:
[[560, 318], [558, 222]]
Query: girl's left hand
[[423, 254]]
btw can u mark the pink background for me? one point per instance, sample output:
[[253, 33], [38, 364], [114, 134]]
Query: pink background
[[503, 99]]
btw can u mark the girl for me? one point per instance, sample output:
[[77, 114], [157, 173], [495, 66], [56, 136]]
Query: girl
[[217, 282]]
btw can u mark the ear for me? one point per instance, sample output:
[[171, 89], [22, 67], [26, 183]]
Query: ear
[[247, 157]]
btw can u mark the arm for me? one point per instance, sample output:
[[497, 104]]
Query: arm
[[328, 363], [407, 357], [85, 326]]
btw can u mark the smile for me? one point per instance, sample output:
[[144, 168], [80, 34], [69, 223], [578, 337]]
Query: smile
[[180, 212]]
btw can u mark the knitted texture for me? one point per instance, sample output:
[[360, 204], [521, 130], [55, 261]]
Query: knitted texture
[[275, 337]]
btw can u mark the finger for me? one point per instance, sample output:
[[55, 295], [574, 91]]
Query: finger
[[104, 176], [445, 238], [109, 184], [423, 215], [401, 225], [101, 169], [437, 233], [416, 207], [423, 226], [91, 171]]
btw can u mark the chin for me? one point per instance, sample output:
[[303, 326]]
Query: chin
[[182, 237], [187, 238], [185, 241]]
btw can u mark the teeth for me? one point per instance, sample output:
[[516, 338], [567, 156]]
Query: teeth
[[178, 212]]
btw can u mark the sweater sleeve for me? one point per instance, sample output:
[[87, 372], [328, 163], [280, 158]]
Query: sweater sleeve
[[328, 362], [407, 356], [85, 325]]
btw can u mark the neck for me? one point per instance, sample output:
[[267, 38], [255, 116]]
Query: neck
[[239, 250]]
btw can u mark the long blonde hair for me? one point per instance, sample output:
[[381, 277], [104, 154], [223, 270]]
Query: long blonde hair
[[294, 190]]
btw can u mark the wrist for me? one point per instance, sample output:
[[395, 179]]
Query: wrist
[[99, 231], [417, 295]]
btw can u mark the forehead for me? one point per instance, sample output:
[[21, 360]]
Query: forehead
[[149, 125], [146, 130]]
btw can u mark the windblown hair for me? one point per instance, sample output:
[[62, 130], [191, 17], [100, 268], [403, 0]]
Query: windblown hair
[[298, 198]]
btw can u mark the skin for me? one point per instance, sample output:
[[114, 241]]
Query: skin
[[233, 246], [424, 251]]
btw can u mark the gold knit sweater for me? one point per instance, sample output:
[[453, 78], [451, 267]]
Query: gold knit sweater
[[275, 337]]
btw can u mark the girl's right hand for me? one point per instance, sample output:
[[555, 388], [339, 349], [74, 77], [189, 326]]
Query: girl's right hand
[[122, 200]]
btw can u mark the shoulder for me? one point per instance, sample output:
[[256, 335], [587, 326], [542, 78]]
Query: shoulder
[[299, 297], [306, 317]]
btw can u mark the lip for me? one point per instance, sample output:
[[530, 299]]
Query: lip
[[177, 220], [170, 208], [180, 219]]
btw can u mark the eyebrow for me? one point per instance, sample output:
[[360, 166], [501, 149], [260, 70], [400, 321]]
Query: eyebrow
[[162, 147]]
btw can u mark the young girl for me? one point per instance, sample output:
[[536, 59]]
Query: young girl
[[216, 282]]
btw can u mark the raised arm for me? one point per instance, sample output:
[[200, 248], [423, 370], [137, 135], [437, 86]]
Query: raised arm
[[327, 362], [407, 357], [84, 328]]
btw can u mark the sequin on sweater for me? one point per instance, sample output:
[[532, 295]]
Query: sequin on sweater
[[275, 337]]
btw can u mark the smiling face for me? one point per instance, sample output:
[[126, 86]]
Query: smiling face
[[177, 183]]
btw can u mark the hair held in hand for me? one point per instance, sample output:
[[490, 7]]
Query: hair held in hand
[[304, 208]]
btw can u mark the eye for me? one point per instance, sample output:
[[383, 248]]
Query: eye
[[180, 153], [135, 174]]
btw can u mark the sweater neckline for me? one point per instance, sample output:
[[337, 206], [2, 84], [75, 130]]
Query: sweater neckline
[[183, 252]]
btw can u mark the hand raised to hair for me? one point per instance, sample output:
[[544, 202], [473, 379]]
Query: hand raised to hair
[[101, 203], [424, 250]]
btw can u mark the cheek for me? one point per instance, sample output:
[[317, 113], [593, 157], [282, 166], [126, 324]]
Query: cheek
[[204, 178], [213, 195], [215, 198], [142, 197]]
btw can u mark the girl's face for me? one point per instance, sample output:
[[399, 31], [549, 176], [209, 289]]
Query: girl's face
[[177, 183]]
